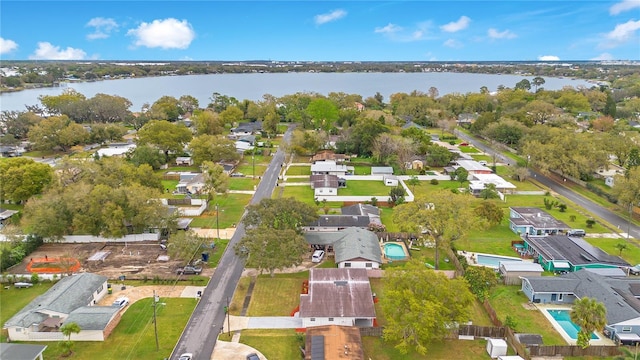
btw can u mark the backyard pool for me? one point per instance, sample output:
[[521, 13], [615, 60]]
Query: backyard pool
[[563, 319], [493, 260], [394, 251]]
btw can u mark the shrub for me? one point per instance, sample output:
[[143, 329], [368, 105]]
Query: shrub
[[590, 223], [434, 182], [572, 218], [562, 207], [35, 278]]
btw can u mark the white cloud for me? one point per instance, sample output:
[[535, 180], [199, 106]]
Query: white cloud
[[102, 28], [47, 51], [455, 26], [165, 34], [389, 29], [329, 17], [7, 45], [495, 34], [548, 58], [624, 5], [624, 32], [452, 43], [603, 56]]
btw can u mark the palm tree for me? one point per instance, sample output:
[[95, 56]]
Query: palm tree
[[621, 247], [590, 315], [67, 329]]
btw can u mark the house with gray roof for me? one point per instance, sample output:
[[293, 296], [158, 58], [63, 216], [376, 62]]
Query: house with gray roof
[[621, 297], [566, 253], [353, 247], [328, 167], [360, 215], [534, 222], [21, 351], [337, 297], [72, 299]]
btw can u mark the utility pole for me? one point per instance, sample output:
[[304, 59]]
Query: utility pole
[[253, 158], [155, 320], [228, 318], [217, 223]]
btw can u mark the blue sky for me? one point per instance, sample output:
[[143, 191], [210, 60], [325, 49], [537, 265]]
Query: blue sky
[[320, 30]]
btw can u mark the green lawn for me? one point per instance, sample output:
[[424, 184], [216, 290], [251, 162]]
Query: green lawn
[[376, 348], [12, 300], [631, 254], [134, 337], [277, 296], [245, 183], [299, 170], [509, 300], [301, 193], [275, 344], [231, 208], [362, 170], [468, 149], [297, 180], [247, 170], [365, 188]]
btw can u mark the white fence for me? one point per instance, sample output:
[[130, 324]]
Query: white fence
[[124, 239]]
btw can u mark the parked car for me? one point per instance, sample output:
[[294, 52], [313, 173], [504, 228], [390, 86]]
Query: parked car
[[237, 174], [576, 232], [253, 356], [189, 270], [634, 270], [186, 356], [482, 162], [121, 301], [317, 256]]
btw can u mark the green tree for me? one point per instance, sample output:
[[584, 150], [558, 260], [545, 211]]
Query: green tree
[[323, 112], [58, 104], [621, 247], [491, 212], [21, 178], [184, 245], [67, 329], [57, 132], [220, 103], [590, 315], [17, 124], [422, 306], [212, 148], [443, 216], [627, 188], [166, 108], [523, 84], [231, 115], [610, 106], [396, 195], [489, 192], [146, 154], [271, 249], [270, 123], [282, 213], [413, 181], [481, 279], [207, 122], [165, 136], [537, 82], [102, 133], [215, 179], [461, 174]]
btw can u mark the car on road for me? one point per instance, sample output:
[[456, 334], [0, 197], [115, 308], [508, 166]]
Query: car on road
[[186, 356], [189, 270], [634, 270], [317, 256], [253, 356], [121, 301]]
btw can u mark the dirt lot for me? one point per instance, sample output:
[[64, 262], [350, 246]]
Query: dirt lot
[[133, 260]]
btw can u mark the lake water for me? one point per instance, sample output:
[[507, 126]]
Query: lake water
[[254, 86]]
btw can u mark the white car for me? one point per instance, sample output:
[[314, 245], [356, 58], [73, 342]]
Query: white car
[[317, 256], [186, 356], [121, 301]]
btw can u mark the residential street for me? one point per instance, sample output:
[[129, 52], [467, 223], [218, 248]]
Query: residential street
[[200, 335], [621, 223]]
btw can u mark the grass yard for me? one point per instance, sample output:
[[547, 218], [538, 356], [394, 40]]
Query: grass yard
[[238, 296], [468, 149], [13, 300], [277, 296], [216, 254], [298, 180], [231, 208], [631, 254], [247, 170], [301, 193], [376, 348], [133, 338], [299, 170], [275, 344], [242, 183], [386, 216], [362, 170], [365, 188], [509, 300]]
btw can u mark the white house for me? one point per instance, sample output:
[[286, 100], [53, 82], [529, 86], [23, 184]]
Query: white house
[[479, 182], [324, 185], [353, 247], [184, 161], [72, 299], [337, 297], [328, 167], [116, 149]]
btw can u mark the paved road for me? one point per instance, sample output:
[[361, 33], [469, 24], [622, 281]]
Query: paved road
[[604, 213], [200, 335]]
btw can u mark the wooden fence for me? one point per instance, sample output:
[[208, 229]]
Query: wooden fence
[[371, 331], [570, 350]]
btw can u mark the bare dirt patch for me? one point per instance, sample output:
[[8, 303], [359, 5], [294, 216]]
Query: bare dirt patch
[[133, 260]]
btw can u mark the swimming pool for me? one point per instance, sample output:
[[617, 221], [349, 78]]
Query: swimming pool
[[563, 318], [493, 260], [394, 251]]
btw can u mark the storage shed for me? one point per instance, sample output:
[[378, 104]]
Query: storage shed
[[496, 348]]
